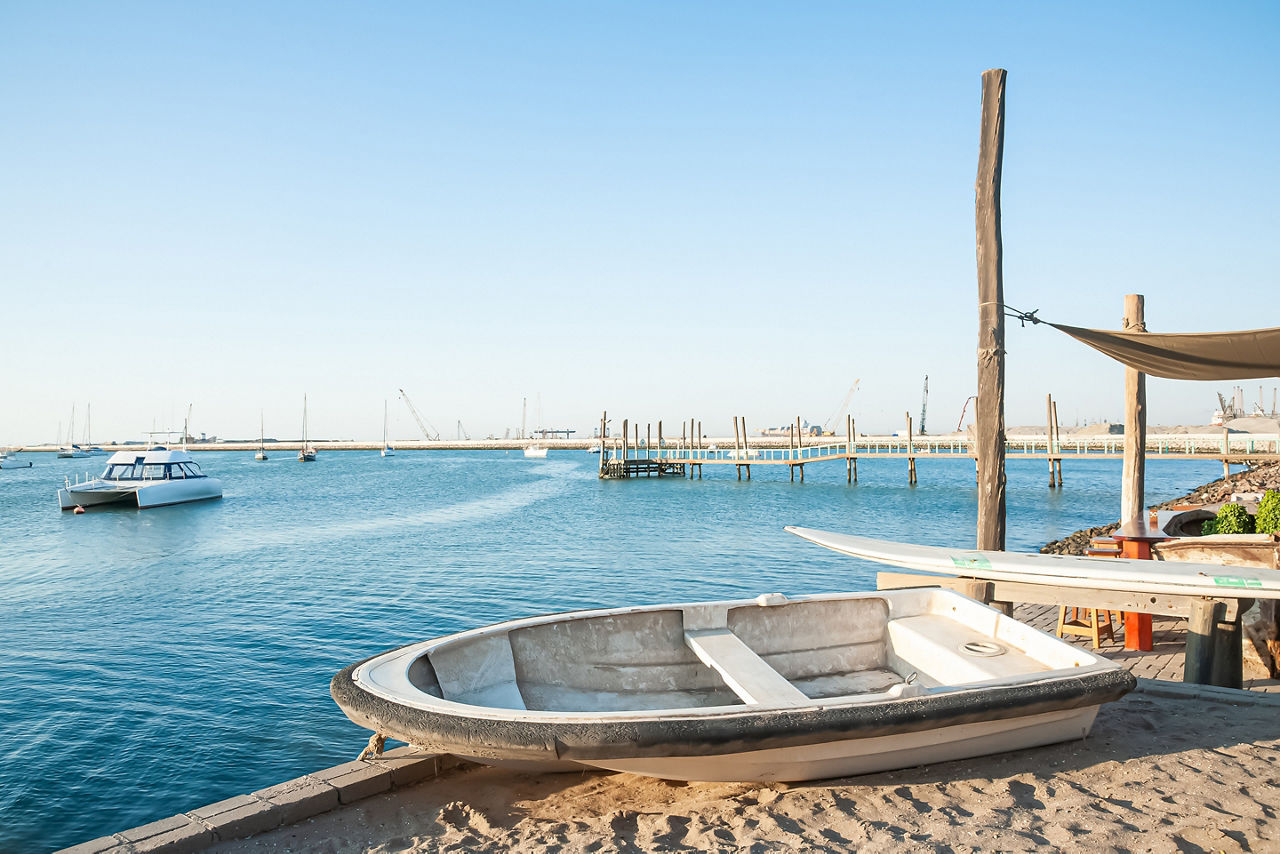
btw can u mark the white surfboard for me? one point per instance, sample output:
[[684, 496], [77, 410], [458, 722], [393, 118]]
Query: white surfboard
[[1185, 578]]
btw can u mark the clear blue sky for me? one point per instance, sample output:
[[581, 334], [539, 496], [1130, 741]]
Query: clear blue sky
[[668, 210]]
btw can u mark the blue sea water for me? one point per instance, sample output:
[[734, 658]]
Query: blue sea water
[[156, 661]]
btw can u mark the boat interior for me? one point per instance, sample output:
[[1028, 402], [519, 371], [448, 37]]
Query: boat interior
[[768, 652]]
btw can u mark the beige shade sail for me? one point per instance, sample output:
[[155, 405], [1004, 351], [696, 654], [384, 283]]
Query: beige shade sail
[[1189, 355]]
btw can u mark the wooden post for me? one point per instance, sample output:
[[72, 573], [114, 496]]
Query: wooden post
[[1198, 663], [624, 444], [1135, 423], [1048, 434], [1057, 442], [791, 450], [848, 460], [746, 449], [604, 419], [1226, 449], [989, 435], [737, 451], [1227, 670], [911, 454]]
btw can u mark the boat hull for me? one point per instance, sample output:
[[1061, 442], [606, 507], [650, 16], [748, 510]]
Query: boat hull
[[849, 757], [144, 496], [846, 697]]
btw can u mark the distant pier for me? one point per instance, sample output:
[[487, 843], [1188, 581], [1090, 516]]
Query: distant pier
[[629, 455]]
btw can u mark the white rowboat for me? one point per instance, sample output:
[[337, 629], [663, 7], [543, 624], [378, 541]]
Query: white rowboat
[[772, 688]]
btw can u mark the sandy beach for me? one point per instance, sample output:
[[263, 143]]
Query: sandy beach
[[1158, 773]]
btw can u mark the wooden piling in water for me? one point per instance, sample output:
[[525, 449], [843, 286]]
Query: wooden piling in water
[[699, 434], [851, 464], [911, 454], [1057, 443], [604, 419], [1048, 434], [737, 451]]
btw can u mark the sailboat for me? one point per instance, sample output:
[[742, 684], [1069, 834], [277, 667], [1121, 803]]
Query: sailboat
[[387, 450], [90, 449], [262, 439], [72, 450], [307, 454], [533, 450]]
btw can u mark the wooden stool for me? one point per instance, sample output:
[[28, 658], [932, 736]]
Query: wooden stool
[[1103, 547], [1086, 622]]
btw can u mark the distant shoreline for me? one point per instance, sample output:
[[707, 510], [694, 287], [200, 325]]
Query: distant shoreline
[[1197, 437]]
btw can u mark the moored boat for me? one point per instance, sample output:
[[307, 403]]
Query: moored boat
[[772, 688], [261, 455], [307, 453], [152, 478], [387, 450]]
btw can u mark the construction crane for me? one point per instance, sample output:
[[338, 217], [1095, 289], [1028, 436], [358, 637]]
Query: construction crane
[[924, 404], [963, 410], [829, 424], [424, 426], [1228, 410], [462, 432]]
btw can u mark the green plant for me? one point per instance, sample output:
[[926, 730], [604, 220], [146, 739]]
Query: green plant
[[1268, 519], [1209, 527], [1233, 519]]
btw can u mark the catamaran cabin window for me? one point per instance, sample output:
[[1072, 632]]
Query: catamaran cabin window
[[120, 471], [153, 471], [174, 471], [191, 469]]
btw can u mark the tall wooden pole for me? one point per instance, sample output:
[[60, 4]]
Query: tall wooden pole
[[1048, 433], [1135, 421], [989, 436], [1057, 441]]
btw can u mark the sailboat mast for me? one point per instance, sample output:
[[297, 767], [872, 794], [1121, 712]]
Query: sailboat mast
[[524, 413]]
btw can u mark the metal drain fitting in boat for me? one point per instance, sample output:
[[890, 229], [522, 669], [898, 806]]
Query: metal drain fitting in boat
[[984, 649]]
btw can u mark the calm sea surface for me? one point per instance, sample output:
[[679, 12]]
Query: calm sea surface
[[153, 662]]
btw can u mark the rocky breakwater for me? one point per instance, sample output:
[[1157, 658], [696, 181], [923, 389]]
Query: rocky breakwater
[[1252, 481]]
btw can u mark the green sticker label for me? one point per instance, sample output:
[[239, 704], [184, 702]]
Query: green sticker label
[[976, 562], [1235, 581]]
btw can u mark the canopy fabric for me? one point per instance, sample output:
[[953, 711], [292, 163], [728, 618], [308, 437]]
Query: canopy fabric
[[1189, 355]]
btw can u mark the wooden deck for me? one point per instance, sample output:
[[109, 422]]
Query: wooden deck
[[1164, 661]]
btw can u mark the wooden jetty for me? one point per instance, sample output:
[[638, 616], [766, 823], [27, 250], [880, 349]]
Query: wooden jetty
[[632, 455]]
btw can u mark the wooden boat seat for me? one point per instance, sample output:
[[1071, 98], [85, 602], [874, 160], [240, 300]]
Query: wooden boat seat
[[749, 675]]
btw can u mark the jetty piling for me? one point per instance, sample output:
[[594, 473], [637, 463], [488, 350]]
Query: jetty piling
[[1057, 443], [911, 454], [851, 461]]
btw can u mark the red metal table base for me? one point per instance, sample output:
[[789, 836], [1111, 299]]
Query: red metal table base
[[1137, 627]]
